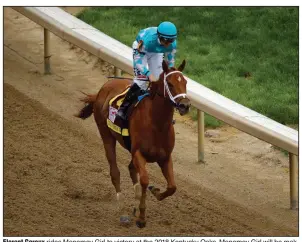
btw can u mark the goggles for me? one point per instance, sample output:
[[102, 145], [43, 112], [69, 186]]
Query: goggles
[[167, 40]]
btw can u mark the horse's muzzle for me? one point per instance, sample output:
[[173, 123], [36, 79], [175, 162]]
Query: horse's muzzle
[[184, 106]]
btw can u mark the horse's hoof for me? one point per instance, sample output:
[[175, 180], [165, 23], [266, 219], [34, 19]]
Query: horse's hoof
[[154, 190], [125, 220], [141, 224]]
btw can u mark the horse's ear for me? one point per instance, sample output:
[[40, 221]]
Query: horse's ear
[[165, 66], [182, 65]]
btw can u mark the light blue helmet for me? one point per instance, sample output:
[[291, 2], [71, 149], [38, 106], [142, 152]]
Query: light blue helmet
[[167, 30]]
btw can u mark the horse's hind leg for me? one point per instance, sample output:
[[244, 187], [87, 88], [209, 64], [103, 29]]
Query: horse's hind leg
[[136, 185], [110, 145], [110, 150], [140, 165]]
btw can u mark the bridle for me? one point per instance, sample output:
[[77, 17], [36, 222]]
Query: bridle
[[166, 89]]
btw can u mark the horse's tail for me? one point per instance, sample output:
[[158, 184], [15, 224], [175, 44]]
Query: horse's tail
[[88, 109]]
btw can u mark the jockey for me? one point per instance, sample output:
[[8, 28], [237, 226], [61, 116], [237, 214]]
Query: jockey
[[149, 49]]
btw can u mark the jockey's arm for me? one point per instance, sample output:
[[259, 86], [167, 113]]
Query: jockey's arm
[[138, 60], [170, 56]]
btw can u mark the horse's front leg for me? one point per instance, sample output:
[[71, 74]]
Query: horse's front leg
[[140, 164], [167, 170]]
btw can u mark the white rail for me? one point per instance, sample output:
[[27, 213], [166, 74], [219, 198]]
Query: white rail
[[92, 40]]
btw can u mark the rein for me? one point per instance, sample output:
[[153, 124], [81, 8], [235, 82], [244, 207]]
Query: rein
[[128, 78]]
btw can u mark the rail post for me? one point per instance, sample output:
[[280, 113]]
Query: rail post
[[293, 173], [200, 115], [117, 71], [46, 52]]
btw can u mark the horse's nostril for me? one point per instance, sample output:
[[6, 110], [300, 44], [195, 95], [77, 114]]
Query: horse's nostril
[[183, 108], [183, 105]]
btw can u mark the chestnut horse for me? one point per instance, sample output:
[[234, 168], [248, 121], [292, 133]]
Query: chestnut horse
[[150, 128]]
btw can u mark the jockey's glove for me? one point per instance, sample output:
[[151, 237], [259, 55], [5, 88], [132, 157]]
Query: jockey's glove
[[152, 78]]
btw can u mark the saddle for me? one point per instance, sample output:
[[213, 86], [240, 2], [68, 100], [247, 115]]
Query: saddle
[[118, 125]]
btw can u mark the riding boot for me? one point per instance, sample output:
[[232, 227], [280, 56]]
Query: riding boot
[[131, 95]]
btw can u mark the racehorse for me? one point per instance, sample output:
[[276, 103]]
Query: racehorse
[[150, 128]]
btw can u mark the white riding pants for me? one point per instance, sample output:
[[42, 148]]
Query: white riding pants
[[154, 63]]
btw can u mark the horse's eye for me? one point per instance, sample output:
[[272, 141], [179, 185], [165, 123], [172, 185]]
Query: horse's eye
[[170, 85]]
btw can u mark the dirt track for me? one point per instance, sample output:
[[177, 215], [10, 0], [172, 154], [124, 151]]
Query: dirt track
[[56, 177]]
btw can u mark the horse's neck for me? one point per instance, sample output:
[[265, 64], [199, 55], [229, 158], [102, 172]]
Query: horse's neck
[[162, 112]]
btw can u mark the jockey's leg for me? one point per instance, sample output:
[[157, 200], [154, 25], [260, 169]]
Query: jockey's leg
[[135, 89], [131, 95]]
